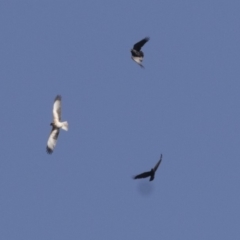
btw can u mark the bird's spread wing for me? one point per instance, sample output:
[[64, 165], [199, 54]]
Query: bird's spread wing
[[52, 140], [57, 109], [158, 163], [138, 60], [142, 175], [139, 44]]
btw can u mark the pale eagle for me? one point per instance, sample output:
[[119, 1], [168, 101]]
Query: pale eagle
[[56, 125]]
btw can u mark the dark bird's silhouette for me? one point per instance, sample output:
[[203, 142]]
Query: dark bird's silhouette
[[137, 54], [151, 173]]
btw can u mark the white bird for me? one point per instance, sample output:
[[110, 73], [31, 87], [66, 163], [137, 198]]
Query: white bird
[[56, 125], [137, 54]]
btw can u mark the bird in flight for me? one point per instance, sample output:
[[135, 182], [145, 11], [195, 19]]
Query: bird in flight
[[56, 125], [151, 173], [137, 54]]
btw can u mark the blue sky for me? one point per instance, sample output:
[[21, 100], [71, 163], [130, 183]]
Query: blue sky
[[184, 104]]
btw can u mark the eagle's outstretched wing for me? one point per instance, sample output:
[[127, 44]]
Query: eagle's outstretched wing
[[158, 163], [138, 60], [137, 46], [57, 109], [52, 140], [142, 175]]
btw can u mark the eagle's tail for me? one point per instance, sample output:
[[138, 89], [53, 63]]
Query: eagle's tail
[[65, 126]]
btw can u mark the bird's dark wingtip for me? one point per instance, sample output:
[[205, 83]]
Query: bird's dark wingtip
[[49, 151], [58, 97]]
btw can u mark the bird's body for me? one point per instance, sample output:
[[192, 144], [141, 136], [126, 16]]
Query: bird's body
[[56, 125], [137, 54], [150, 173]]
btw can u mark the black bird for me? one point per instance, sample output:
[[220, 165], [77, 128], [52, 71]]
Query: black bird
[[137, 54], [151, 173]]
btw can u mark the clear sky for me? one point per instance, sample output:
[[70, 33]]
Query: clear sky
[[184, 104]]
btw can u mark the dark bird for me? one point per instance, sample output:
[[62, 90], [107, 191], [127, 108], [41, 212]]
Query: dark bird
[[56, 125], [151, 173], [137, 54]]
